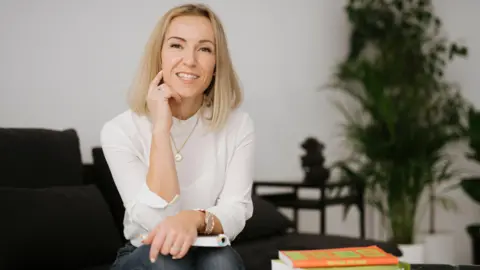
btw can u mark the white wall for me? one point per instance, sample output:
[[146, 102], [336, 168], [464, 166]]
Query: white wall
[[69, 63]]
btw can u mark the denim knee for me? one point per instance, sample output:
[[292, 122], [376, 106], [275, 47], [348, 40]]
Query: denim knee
[[225, 258], [139, 259]]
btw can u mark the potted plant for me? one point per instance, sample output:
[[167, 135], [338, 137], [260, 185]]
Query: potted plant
[[404, 112], [471, 185]]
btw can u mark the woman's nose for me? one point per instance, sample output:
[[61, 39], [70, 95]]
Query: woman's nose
[[189, 57]]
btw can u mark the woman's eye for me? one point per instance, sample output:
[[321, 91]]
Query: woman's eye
[[206, 50], [176, 46]]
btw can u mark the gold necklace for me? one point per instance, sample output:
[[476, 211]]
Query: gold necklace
[[178, 156]]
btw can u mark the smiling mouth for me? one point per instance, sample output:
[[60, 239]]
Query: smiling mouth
[[187, 76]]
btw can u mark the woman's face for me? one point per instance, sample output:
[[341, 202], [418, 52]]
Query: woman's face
[[188, 55]]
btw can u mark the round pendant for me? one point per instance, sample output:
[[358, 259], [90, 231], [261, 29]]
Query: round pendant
[[178, 157]]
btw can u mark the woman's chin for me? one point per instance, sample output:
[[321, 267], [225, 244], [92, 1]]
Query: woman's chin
[[187, 93], [189, 97]]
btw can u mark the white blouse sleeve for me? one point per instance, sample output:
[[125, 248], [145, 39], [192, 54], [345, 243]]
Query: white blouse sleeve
[[129, 173], [234, 205]]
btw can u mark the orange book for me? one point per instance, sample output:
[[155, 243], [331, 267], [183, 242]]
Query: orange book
[[351, 256]]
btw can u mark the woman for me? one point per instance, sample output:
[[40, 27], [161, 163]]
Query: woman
[[182, 155]]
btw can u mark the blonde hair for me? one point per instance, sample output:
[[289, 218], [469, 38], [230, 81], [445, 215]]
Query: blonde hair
[[224, 93]]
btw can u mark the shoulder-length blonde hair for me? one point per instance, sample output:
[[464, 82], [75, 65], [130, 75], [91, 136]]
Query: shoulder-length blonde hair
[[224, 93]]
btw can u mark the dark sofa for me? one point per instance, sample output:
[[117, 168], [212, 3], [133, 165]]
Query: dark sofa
[[58, 213]]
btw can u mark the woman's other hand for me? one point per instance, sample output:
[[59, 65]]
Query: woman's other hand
[[175, 234], [158, 98]]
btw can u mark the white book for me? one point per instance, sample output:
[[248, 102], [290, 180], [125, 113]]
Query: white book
[[279, 265], [220, 240]]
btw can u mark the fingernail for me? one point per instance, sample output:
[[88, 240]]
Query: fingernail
[[152, 259]]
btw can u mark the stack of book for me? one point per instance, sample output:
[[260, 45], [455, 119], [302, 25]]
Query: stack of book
[[351, 258]]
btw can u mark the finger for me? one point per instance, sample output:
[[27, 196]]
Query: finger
[[157, 244], [160, 92], [152, 90], [157, 79], [164, 92], [167, 245], [176, 96], [169, 93], [149, 238], [177, 246], [185, 247]]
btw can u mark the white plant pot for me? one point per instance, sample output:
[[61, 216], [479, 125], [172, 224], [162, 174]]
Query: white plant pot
[[439, 248], [412, 253]]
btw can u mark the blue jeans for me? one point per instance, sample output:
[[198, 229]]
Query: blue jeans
[[130, 257]]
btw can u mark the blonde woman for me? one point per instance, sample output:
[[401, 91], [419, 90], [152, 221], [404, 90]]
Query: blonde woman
[[182, 155]]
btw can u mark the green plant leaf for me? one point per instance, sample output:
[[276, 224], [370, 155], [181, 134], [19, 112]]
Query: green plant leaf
[[406, 112], [447, 203]]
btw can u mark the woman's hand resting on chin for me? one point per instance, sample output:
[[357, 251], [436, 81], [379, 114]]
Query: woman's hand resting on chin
[[158, 99], [175, 234]]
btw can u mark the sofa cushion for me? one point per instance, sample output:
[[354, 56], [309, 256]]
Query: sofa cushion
[[105, 183], [100, 267], [39, 158], [265, 221], [56, 228]]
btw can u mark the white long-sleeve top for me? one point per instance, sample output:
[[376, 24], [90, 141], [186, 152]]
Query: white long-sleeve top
[[216, 172]]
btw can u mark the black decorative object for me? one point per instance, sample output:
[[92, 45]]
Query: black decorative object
[[313, 162]]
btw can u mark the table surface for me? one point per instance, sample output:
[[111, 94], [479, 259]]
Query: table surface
[[444, 267]]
